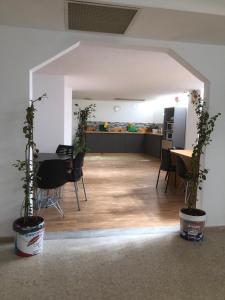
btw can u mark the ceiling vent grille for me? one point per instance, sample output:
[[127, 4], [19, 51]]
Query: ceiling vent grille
[[98, 17]]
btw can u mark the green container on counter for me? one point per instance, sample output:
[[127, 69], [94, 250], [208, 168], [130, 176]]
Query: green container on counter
[[131, 129], [102, 128]]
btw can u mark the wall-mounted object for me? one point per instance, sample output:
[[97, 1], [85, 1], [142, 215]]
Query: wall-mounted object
[[116, 108]]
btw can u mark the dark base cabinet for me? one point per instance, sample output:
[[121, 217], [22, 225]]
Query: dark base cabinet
[[105, 142], [124, 143], [134, 143], [153, 145]]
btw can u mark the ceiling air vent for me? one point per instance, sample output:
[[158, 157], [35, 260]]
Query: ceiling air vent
[[99, 17]]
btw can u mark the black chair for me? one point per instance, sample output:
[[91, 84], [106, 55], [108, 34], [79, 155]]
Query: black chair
[[51, 177], [183, 173], [65, 150], [76, 174], [167, 166]]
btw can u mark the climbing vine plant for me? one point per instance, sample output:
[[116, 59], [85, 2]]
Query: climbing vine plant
[[82, 115], [205, 127], [28, 166]]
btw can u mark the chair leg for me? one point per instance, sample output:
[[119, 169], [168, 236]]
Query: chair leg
[[158, 179], [167, 182], [175, 179], [57, 207], [60, 210], [76, 193], [85, 195], [166, 175]]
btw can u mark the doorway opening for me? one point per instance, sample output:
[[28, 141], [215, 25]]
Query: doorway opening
[[131, 88]]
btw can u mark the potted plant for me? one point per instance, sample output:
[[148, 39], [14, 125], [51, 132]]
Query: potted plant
[[192, 220], [82, 116], [29, 228]]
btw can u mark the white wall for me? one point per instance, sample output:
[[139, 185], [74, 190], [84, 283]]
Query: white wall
[[191, 122], [22, 49], [67, 115], [157, 105], [49, 118], [191, 129], [53, 119]]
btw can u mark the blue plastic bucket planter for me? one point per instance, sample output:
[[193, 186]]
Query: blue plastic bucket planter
[[192, 224], [29, 237]]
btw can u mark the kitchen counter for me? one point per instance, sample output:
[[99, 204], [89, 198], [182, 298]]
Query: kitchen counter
[[124, 132], [124, 142], [187, 153]]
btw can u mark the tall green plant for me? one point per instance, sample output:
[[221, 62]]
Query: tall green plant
[[27, 166], [82, 116], [205, 127]]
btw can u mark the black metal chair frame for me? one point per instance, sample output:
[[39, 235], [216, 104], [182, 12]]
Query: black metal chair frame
[[183, 173], [76, 174], [166, 165], [51, 178]]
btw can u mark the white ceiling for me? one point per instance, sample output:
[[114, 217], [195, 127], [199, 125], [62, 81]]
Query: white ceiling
[[200, 21], [104, 72], [164, 24], [203, 6]]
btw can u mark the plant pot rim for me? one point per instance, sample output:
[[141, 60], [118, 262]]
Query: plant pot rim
[[37, 223], [201, 217], [187, 211]]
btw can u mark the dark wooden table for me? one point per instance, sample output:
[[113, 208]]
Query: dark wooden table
[[49, 156]]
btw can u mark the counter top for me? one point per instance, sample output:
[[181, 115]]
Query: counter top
[[186, 152], [124, 132]]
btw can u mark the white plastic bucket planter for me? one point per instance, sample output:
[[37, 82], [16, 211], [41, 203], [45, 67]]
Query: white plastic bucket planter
[[192, 226], [155, 131], [29, 239]]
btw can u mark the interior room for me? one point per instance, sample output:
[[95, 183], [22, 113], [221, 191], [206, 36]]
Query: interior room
[[124, 243], [142, 104]]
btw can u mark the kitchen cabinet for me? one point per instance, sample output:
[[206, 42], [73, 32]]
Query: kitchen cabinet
[[153, 144], [106, 142], [134, 143], [174, 125]]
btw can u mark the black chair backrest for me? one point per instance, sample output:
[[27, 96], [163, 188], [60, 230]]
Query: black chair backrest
[[51, 174], [181, 167], [78, 162], [177, 148], [166, 160], [65, 150], [77, 171]]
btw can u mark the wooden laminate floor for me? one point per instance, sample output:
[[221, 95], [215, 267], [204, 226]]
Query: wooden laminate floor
[[121, 194]]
